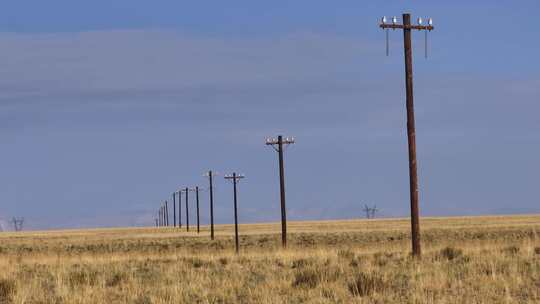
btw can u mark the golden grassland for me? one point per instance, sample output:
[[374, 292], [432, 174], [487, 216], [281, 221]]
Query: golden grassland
[[466, 260]]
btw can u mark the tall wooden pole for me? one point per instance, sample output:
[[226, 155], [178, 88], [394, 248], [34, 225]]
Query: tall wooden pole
[[174, 208], [280, 143], [197, 200], [236, 241], [180, 208], [235, 177], [282, 192], [166, 213], [411, 136], [187, 209], [407, 27], [210, 176], [161, 216]]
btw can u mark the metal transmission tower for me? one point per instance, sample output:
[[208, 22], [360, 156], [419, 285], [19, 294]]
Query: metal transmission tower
[[235, 178], [210, 176], [18, 223], [367, 211], [370, 211], [407, 27], [278, 145]]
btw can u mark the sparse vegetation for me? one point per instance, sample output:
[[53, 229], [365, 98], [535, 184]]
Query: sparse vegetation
[[466, 260]]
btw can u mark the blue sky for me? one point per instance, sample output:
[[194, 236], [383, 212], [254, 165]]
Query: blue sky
[[109, 106]]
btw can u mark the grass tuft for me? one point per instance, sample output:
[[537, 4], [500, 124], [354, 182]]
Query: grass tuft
[[450, 253], [307, 278], [7, 289], [366, 284]]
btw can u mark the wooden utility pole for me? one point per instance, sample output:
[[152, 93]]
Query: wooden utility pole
[[160, 213], [174, 208], [278, 145], [211, 190], [187, 208], [166, 214], [180, 208], [411, 133], [164, 223], [235, 178], [196, 190], [197, 199]]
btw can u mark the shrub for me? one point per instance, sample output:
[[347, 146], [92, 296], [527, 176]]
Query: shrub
[[7, 289], [197, 262], [306, 278], [223, 261], [450, 253], [346, 254], [365, 284], [115, 279], [301, 263], [511, 250], [82, 277], [143, 300]]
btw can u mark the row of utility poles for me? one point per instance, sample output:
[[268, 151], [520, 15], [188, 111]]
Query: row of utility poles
[[162, 219], [279, 144]]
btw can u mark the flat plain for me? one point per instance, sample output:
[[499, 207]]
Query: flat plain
[[490, 259]]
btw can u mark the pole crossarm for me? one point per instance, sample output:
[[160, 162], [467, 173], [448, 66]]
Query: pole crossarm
[[275, 141], [234, 177], [409, 27]]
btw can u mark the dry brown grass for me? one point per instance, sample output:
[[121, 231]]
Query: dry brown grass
[[466, 260]]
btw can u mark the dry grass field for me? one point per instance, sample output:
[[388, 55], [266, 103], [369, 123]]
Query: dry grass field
[[466, 260]]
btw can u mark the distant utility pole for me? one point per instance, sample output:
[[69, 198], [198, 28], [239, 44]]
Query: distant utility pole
[[411, 133], [197, 199], [278, 145], [166, 214], [235, 178], [179, 208], [174, 208], [187, 208], [160, 217], [210, 175], [196, 190], [157, 224]]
